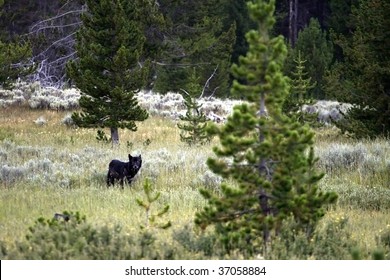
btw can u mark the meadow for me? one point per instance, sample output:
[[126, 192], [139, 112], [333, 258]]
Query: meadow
[[48, 166]]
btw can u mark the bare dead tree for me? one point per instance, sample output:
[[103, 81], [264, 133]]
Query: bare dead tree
[[206, 84], [53, 41]]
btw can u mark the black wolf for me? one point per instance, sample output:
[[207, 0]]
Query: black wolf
[[118, 170]]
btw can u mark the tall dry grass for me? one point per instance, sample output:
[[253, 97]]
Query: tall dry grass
[[47, 167]]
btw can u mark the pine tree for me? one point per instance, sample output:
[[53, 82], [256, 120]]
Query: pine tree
[[14, 61], [152, 219], [313, 45], [362, 77], [300, 85], [194, 123], [268, 155], [110, 71], [195, 38], [338, 19], [237, 12]]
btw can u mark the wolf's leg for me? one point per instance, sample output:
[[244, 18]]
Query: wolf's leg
[[109, 179]]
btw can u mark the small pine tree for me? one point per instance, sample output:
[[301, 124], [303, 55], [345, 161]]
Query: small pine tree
[[151, 218], [110, 45], [300, 85], [193, 128], [269, 155]]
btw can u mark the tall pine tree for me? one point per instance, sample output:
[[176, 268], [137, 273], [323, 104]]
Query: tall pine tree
[[109, 71], [14, 61], [362, 77], [267, 154], [195, 37], [314, 47]]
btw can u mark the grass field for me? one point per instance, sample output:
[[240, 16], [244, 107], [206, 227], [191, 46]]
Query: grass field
[[47, 167]]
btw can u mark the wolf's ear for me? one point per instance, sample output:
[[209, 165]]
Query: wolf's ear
[[130, 157]]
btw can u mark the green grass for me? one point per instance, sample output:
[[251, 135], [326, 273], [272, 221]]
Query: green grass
[[56, 168]]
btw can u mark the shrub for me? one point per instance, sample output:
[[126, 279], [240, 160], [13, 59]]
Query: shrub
[[6, 133], [58, 239], [383, 241], [331, 242], [40, 121], [340, 157], [366, 198], [365, 164], [209, 181], [68, 121], [10, 174], [197, 244]]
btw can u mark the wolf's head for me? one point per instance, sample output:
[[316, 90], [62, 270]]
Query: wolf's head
[[135, 164]]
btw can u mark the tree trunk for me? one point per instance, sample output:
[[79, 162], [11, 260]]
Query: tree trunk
[[114, 136], [263, 171], [293, 22], [295, 25], [290, 23]]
